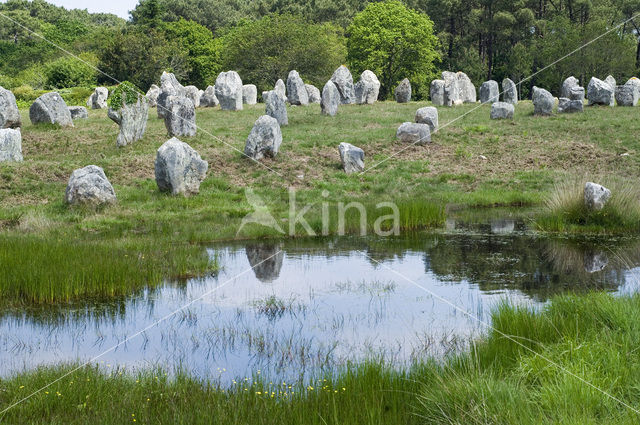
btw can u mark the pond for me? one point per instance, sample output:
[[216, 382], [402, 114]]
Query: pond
[[292, 310]]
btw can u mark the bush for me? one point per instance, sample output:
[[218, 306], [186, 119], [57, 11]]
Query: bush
[[71, 72], [125, 94], [266, 50]]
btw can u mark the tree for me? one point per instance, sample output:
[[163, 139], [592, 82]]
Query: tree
[[265, 50], [394, 42]]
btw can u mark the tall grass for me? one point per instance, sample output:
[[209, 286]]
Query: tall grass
[[47, 270], [566, 210]]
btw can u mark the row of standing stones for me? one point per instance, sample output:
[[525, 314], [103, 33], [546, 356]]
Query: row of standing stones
[[176, 105]]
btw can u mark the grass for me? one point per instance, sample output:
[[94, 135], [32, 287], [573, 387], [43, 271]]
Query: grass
[[499, 381]]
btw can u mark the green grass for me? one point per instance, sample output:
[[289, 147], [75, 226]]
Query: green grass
[[594, 337]]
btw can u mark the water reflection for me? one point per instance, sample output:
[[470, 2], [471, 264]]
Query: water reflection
[[326, 303]]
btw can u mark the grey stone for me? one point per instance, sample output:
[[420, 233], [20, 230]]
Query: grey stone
[[467, 89], [10, 145], [428, 115], [567, 85], [417, 134], [193, 94], [179, 168], [9, 113], [78, 112], [543, 102], [628, 94], [181, 117], [437, 92], [611, 81], [249, 94], [229, 91], [595, 261], [266, 260], [98, 99], [502, 111], [503, 226], [330, 99], [169, 86], [280, 89], [209, 99], [313, 93], [343, 81], [403, 91], [296, 91], [132, 120], [50, 108], [595, 196], [458, 88], [600, 92], [509, 91], [89, 186], [577, 93], [367, 88], [489, 92], [152, 95], [352, 158], [566, 105], [276, 107], [265, 138]]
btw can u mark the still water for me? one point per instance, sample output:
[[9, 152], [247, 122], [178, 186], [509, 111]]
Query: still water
[[292, 310]]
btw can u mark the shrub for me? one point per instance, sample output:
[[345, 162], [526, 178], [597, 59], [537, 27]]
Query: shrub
[[71, 72], [125, 94]]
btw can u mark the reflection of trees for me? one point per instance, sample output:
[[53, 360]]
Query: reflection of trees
[[266, 260]]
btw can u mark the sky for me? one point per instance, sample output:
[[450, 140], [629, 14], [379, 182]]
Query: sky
[[117, 7]]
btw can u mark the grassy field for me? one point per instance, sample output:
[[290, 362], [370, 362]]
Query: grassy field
[[500, 381]]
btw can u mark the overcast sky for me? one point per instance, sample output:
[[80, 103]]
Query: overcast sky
[[117, 7]]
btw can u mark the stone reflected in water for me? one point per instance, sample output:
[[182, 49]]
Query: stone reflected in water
[[266, 260], [595, 261], [503, 226]]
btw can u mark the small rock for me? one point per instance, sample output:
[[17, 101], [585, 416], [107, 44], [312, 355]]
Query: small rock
[[577, 93], [276, 107], [249, 94], [152, 95], [313, 93], [78, 112], [403, 91], [595, 196], [510, 91], [489, 92], [417, 134], [502, 111], [265, 138], [566, 105], [10, 145], [179, 168], [193, 94], [367, 89], [543, 102], [330, 99], [352, 158], [50, 108], [9, 113], [229, 91], [181, 118], [428, 115], [595, 261], [208, 98], [437, 92], [296, 91], [89, 186]]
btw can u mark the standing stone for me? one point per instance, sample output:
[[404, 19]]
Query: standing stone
[[417, 134], [437, 92], [567, 85], [209, 99], [627, 95], [131, 117], [249, 94], [352, 158], [152, 95], [566, 105], [403, 91], [502, 111], [78, 112], [509, 91], [179, 168], [193, 94], [10, 145], [428, 115], [595, 196], [98, 99], [330, 99], [89, 186], [577, 93], [489, 92], [600, 92], [466, 88], [9, 113], [50, 108], [296, 91], [265, 138], [281, 89], [367, 89], [543, 102], [458, 88], [313, 93], [343, 81], [611, 81], [276, 107], [181, 117], [169, 86], [229, 91]]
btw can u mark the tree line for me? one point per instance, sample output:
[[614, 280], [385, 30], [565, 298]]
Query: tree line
[[264, 39]]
